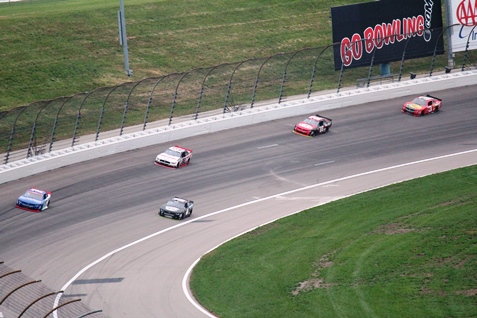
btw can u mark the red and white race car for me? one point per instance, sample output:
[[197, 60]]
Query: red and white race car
[[174, 157], [313, 126], [422, 105]]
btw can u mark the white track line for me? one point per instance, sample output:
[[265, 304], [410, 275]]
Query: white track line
[[268, 146], [323, 163], [185, 278]]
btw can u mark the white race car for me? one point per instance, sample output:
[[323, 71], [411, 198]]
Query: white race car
[[174, 157]]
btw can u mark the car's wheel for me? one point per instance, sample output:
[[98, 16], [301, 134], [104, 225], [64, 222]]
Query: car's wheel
[[188, 161], [181, 216], [422, 113], [327, 129], [178, 164], [312, 133], [436, 109]]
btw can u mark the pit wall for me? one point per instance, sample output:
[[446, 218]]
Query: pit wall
[[61, 158]]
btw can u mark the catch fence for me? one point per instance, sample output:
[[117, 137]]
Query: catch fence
[[23, 297], [45, 126]]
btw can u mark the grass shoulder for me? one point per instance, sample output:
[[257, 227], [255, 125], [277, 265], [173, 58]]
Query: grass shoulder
[[407, 250]]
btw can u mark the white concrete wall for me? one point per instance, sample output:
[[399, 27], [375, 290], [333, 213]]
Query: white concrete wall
[[23, 168]]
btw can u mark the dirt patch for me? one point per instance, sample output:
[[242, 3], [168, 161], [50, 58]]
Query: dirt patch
[[444, 260], [453, 259], [393, 228], [326, 264], [470, 292], [315, 281], [460, 264], [427, 291], [310, 285]]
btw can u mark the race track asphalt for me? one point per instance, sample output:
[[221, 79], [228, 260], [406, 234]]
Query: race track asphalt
[[102, 205]]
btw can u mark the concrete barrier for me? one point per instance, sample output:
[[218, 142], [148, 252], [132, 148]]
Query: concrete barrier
[[60, 158]]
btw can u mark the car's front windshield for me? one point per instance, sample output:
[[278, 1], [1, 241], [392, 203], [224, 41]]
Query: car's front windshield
[[173, 153], [311, 122], [419, 101], [174, 203], [33, 195]]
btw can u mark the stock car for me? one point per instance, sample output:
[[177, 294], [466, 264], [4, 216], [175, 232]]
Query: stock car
[[422, 105], [174, 157], [313, 126], [34, 200], [177, 208]]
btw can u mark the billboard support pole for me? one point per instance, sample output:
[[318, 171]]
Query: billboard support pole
[[123, 40], [450, 54], [385, 68]]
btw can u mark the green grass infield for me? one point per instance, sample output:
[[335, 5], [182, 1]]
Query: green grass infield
[[406, 250]]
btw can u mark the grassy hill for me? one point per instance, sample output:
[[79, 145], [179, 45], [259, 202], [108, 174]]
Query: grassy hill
[[53, 48]]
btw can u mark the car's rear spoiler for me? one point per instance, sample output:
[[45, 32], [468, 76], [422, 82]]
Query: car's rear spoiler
[[189, 150], [434, 97], [318, 115]]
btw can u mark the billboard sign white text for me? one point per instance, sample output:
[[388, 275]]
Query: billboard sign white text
[[463, 14]]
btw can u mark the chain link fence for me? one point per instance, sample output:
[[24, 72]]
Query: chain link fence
[[44, 126]]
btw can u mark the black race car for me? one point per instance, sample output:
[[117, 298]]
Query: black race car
[[177, 208]]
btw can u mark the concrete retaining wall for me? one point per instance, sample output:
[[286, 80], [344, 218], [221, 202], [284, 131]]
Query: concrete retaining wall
[[23, 168]]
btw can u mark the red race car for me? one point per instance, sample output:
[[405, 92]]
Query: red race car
[[313, 126], [422, 105]]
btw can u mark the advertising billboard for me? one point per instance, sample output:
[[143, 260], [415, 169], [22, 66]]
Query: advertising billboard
[[383, 29], [463, 13]]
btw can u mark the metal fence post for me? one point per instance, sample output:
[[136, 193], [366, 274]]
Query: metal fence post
[[467, 48], [313, 72], [55, 123], [403, 56]]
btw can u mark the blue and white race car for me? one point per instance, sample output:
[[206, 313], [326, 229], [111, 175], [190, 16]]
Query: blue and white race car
[[34, 200]]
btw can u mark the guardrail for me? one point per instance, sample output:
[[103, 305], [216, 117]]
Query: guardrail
[[45, 126], [214, 123]]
